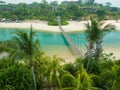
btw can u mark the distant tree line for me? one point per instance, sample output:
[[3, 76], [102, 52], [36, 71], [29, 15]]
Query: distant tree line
[[68, 10]]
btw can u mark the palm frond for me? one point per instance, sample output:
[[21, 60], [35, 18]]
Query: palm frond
[[36, 44], [17, 55], [94, 30], [108, 28], [25, 43]]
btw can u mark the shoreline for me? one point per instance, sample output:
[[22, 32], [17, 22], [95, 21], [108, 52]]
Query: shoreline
[[42, 25]]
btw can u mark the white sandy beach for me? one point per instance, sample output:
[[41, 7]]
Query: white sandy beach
[[42, 25], [73, 26]]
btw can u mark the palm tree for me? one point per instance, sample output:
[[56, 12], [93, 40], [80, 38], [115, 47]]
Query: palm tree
[[25, 46], [84, 82], [95, 33], [54, 69], [68, 81]]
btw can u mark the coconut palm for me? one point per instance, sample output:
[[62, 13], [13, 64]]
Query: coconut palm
[[95, 33], [84, 81], [54, 69], [25, 46]]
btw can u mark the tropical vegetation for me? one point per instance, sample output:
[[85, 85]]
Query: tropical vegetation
[[68, 10], [26, 67], [95, 33], [51, 74]]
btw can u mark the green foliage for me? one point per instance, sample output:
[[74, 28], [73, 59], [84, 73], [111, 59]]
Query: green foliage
[[55, 23], [26, 44], [54, 73], [101, 14], [97, 80], [4, 45], [68, 81], [67, 10], [4, 63], [78, 63], [51, 74], [93, 66], [111, 78], [94, 31], [41, 64], [84, 81], [25, 48], [70, 68], [117, 62], [106, 62], [64, 23], [15, 77], [94, 35]]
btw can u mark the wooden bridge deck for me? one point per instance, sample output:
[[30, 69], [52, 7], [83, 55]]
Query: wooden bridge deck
[[70, 42]]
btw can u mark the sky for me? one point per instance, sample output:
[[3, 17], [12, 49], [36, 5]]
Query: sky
[[115, 3]]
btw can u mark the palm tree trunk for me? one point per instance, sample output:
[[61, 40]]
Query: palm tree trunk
[[33, 74], [99, 49], [89, 57], [34, 79], [91, 44]]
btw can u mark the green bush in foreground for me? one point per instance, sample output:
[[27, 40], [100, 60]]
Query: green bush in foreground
[[16, 77], [51, 74]]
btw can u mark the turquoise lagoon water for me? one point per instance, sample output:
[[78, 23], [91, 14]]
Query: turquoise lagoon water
[[53, 43], [110, 39], [111, 42]]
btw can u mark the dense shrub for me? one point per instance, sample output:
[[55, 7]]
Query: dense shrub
[[111, 78], [70, 68], [55, 23], [68, 81], [102, 74], [16, 77]]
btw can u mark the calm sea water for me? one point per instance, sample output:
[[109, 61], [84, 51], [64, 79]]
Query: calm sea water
[[110, 39], [46, 38], [53, 43]]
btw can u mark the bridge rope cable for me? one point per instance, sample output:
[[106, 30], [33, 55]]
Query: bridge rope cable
[[72, 45]]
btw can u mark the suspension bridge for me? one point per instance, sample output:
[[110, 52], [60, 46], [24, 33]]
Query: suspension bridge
[[70, 42]]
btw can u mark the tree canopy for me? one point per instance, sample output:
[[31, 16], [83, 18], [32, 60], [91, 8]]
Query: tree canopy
[[75, 10]]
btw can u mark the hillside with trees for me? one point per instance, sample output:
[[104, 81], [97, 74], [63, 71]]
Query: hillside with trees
[[68, 10]]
